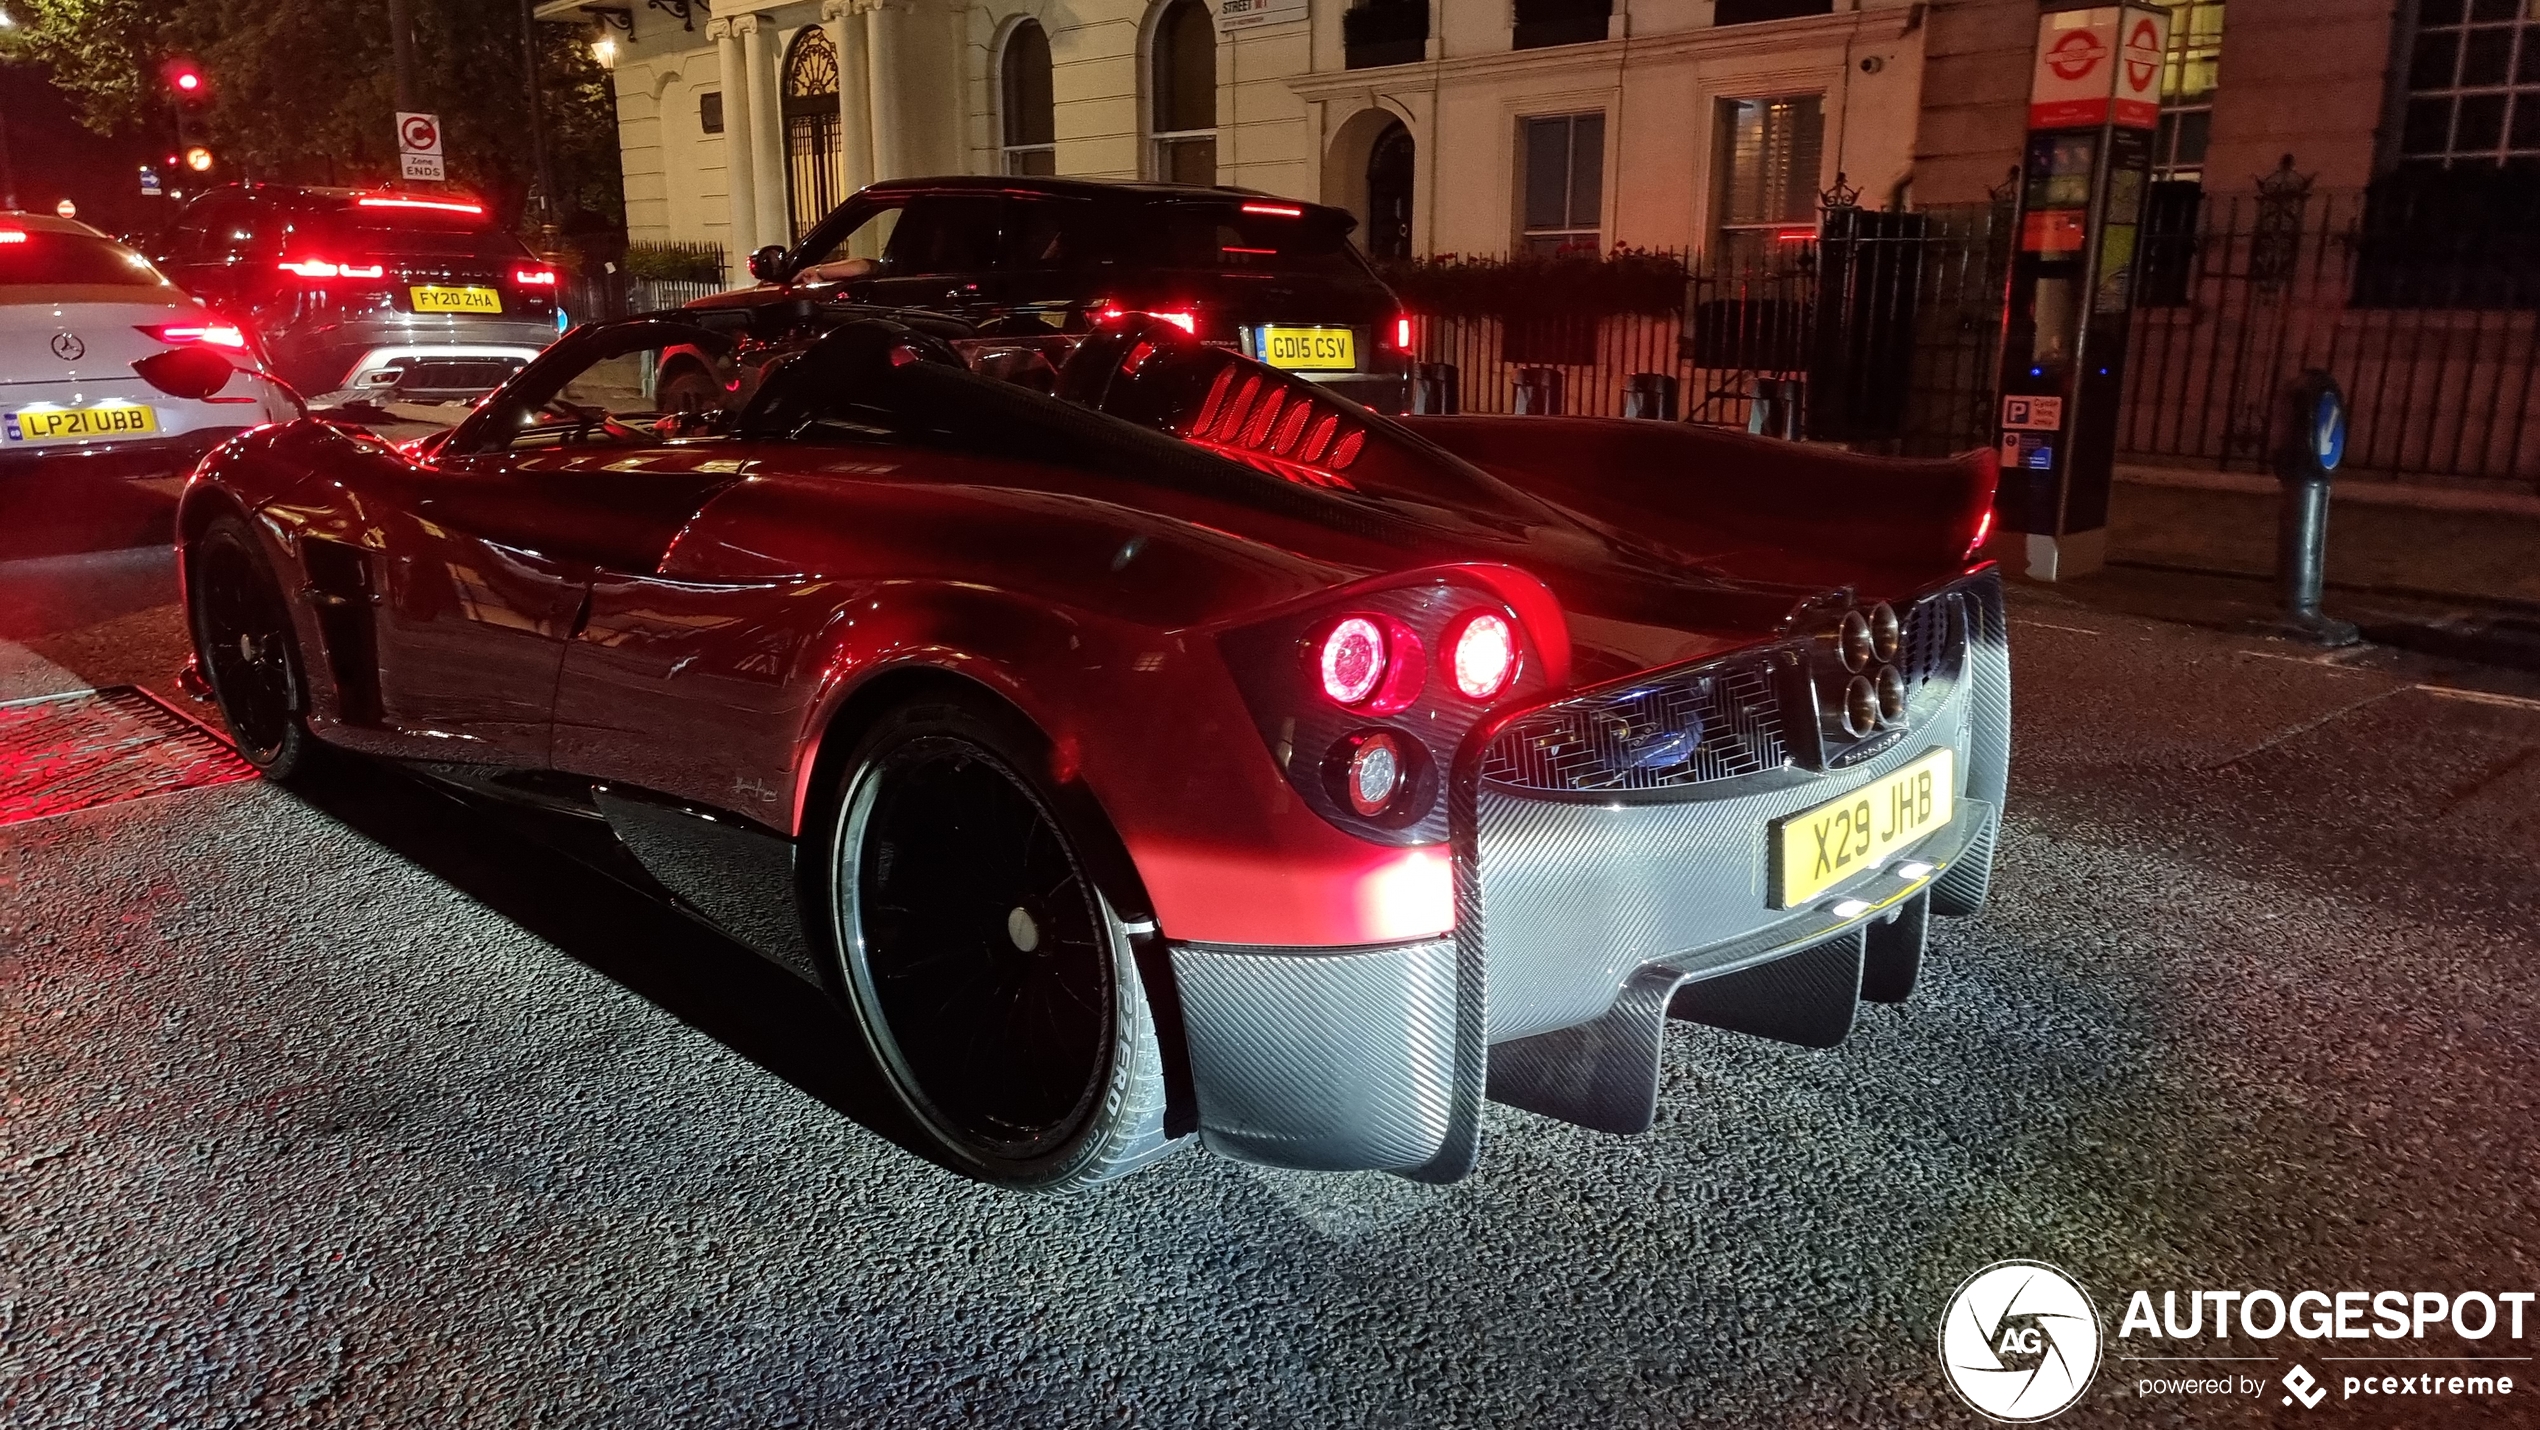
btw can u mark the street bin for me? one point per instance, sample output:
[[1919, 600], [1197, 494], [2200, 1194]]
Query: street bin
[[1539, 391], [1651, 395], [1435, 390], [1774, 408]]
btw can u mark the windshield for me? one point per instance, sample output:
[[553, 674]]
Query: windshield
[[35, 257]]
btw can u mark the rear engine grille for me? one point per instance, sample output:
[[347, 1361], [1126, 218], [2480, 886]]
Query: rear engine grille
[[1637, 739], [1698, 725]]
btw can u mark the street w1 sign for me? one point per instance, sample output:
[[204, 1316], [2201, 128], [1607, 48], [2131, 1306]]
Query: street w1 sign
[[419, 145]]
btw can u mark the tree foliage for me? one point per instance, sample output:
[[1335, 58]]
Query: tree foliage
[[304, 90]]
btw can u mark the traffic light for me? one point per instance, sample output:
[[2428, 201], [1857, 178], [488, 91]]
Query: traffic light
[[189, 97]]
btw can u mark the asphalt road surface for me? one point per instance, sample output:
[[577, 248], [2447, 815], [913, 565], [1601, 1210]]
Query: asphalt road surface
[[363, 1108]]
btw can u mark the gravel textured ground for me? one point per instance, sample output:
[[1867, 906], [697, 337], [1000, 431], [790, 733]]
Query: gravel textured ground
[[362, 1109]]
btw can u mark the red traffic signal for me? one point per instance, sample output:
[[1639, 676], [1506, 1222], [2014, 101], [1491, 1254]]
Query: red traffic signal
[[185, 79]]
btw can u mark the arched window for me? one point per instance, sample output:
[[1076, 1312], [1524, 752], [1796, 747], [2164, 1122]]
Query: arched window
[[1029, 115], [1183, 82], [812, 153]]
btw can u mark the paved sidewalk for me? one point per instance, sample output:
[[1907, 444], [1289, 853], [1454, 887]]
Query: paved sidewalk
[[2384, 538]]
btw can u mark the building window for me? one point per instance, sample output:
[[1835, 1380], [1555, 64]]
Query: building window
[[2187, 91], [1029, 116], [1769, 153], [1754, 12], [1384, 32], [2473, 83], [1564, 157], [710, 111], [1539, 23], [1183, 80], [813, 182]]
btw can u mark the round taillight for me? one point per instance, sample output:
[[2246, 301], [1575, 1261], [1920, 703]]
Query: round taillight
[[1483, 656], [1374, 775], [1352, 661]]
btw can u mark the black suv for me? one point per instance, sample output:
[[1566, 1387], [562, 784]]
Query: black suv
[[387, 292], [1018, 258]]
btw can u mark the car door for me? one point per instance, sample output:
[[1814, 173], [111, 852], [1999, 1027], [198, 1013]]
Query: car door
[[944, 255], [490, 563]]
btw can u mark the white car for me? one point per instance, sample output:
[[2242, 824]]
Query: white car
[[91, 453]]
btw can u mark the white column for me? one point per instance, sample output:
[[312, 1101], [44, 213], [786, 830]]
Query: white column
[[885, 51], [855, 103], [738, 180], [767, 128]]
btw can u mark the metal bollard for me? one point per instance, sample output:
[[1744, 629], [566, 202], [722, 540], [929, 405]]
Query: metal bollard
[[1539, 391], [1774, 411], [1651, 395], [2313, 447], [1434, 390]]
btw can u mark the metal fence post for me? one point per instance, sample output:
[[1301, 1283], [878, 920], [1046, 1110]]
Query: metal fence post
[[1774, 411], [1650, 395]]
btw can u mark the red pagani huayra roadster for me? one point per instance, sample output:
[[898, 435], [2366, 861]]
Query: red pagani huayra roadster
[[1169, 748]]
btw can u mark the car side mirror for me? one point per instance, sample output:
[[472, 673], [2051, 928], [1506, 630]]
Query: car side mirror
[[193, 373], [768, 264]]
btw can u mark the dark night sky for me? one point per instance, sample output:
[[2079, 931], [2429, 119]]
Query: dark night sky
[[55, 158]]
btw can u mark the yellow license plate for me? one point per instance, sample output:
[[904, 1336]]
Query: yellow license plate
[[433, 298], [1818, 848], [78, 424], [1312, 349]]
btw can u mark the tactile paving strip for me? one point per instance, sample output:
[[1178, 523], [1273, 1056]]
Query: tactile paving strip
[[79, 751]]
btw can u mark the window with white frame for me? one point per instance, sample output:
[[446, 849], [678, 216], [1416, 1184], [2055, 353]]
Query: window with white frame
[[1769, 151], [2187, 91], [1561, 159], [1182, 86], [2473, 83], [1028, 116]]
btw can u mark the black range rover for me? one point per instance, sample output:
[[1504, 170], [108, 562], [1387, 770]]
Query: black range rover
[[1016, 258]]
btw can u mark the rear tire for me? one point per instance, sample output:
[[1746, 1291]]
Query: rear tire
[[690, 390], [248, 650], [992, 979]]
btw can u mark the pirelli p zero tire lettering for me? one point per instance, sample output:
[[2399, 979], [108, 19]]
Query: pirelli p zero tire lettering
[[993, 982], [250, 654]]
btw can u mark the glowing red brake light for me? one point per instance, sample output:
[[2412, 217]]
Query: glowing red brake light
[[534, 277], [12, 235], [1275, 210], [328, 268], [1482, 655], [445, 205], [1184, 318], [219, 335], [1402, 333], [1352, 661]]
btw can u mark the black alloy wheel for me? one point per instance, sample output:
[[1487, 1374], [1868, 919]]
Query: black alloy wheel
[[992, 979], [242, 632]]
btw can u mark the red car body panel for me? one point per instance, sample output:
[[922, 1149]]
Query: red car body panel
[[688, 616]]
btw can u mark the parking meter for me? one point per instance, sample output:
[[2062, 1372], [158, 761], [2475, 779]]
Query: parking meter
[[2306, 461]]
